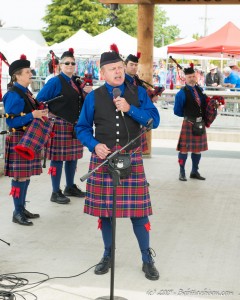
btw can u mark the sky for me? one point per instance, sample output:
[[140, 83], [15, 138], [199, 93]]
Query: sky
[[190, 19]]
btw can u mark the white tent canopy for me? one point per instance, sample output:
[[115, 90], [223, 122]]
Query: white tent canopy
[[77, 41], [22, 45]]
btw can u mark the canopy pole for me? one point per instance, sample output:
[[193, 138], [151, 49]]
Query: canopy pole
[[145, 37]]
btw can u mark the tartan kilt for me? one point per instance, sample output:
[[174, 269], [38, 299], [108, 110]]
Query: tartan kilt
[[16, 166], [144, 143], [62, 146], [191, 143], [132, 196]]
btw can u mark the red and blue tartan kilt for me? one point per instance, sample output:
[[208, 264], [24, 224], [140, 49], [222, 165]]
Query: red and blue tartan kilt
[[62, 145], [15, 165], [191, 143], [132, 196], [144, 143]]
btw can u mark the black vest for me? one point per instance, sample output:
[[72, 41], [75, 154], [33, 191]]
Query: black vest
[[30, 105], [191, 108], [72, 103], [110, 128]]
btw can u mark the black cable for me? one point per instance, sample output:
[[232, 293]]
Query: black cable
[[16, 283]]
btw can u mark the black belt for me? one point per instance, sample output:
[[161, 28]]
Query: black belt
[[198, 119]]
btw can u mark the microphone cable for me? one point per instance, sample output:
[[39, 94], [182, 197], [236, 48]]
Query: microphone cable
[[13, 285]]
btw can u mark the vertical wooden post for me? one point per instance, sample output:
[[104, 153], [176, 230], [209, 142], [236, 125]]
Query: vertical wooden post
[[145, 37]]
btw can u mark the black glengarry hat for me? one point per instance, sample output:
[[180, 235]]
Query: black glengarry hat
[[190, 70], [68, 53], [19, 64], [111, 56], [133, 58]]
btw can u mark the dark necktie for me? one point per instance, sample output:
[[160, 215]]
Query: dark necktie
[[74, 86], [196, 96]]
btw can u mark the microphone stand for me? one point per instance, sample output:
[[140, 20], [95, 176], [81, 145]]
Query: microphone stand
[[116, 181]]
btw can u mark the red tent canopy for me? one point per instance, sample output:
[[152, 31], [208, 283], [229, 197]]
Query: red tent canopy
[[225, 43]]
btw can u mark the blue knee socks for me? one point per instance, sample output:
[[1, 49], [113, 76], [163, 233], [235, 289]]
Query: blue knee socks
[[107, 235], [142, 235], [18, 193], [195, 162], [70, 170], [182, 157], [56, 175], [25, 192]]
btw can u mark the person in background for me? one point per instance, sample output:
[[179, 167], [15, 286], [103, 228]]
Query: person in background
[[131, 69], [232, 79], [53, 69], [64, 147], [234, 66], [190, 103], [19, 100], [214, 78], [117, 120]]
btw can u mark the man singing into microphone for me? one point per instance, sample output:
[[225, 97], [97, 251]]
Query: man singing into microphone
[[117, 120]]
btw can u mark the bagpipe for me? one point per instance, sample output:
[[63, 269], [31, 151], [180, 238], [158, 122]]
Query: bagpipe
[[36, 135], [212, 104], [54, 58], [87, 80], [153, 90]]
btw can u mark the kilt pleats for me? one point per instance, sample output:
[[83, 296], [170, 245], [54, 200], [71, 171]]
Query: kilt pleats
[[132, 196], [63, 146], [191, 143], [16, 166]]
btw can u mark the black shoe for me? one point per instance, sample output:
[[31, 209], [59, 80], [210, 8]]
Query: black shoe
[[21, 219], [182, 177], [74, 191], [30, 215], [59, 198], [196, 176], [150, 271], [103, 266]]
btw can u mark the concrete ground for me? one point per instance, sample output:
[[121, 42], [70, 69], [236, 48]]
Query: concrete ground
[[195, 234]]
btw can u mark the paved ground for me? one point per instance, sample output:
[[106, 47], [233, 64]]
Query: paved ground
[[195, 234]]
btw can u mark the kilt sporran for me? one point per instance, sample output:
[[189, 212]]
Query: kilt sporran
[[122, 163], [198, 128]]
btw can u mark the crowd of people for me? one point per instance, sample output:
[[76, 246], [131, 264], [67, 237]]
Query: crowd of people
[[229, 78]]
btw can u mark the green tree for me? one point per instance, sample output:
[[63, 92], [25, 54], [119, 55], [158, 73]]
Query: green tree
[[65, 17], [163, 35]]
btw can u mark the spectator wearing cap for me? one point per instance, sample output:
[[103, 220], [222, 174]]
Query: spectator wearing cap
[[190, 103], [64, 147], [234, 66], [232, 79], [16, 101], [117, 120], [214, 78]]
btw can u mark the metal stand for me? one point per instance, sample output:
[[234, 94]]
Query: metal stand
[[5, 242], [116, 181]]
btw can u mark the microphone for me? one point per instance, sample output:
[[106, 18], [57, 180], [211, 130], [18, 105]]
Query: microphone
[[117, 93]]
